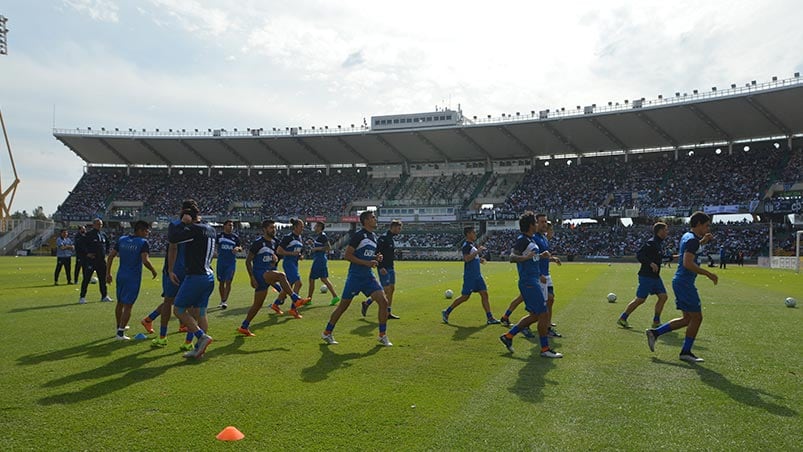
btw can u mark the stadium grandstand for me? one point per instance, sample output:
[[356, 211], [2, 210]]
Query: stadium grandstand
[[726, 151]]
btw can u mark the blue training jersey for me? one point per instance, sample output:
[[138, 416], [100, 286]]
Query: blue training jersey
[[130, 249], [319, 257], [199, 239], [172, 229], [529, 270], [471, 269], [364, 244], [543, 245], [263, 250], [689, 243], [291, 243], [225, 248]]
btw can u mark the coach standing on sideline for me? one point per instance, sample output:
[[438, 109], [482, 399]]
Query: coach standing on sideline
[[80, 252], [64, 252], [96, 245]]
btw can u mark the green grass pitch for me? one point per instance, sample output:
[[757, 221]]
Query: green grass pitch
[[67, 385]]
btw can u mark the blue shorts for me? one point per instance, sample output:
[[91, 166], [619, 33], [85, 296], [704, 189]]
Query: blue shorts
[[291, 271], [169, 290], [389, 279], [195, 291], [471, 285], [533, 296], [225, 272], [262, 285], [686, 297], [649, 286], [355, 285], [128, 289], [318, 270]]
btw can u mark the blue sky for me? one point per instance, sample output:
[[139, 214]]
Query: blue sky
[[211, 64]]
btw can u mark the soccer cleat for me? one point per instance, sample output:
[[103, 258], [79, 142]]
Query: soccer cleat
[[383, 340], [508, 342], [223, 305], [445, 316], [334, 301], [56, 283], [160, 342], [147, 323], [392, 316], [69, 283], [493, 321], [245, 332], [553, 324], [106, 299], [651, 339], [200, 347], [295, 313], [527, 332], [549, 353], [623, 323], [182, 328], [505, 321], [277, 309], [302, 302], [690, 358], [328, 338], [186, 346], [552, 333], [82, 300], [364, 308], [122, 337]]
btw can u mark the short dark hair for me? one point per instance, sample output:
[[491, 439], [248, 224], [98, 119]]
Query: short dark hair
[[540, 215], [321, 224], [658, 227], [467, 229], [395, 222], [266, 223], [63, 230], [699, 218], [295, 221], [364, 216], [526, 220], [227, 222], [190, 207], [142, 225]]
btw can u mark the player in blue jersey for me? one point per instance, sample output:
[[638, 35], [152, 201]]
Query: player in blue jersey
[[650, 256], [290, 248], [199, 280], [133, 251], [363, 258], [228, 245], [687, 299], [261, 266], [64, 251], [472, 277], [387, 274], [526, 255], [320, 268]]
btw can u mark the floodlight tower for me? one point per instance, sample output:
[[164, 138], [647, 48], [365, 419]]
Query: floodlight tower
[[7, 195]]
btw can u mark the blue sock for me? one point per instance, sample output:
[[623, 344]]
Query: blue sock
[[624, 316], [154, 315], [245, 324], [329, 327], [488, 315], [277, 302], [198, 333], [294, 296], [383, 327], [449, 310], [278, 287], [162, 331], [388, 309], [507, 313], [663, 329], [544, 341], [687, 343], [656, 319], [189, 337], [368, 302], [515, 330]]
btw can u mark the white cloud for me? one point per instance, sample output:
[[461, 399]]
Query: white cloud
[[100, 10], [194, 16]]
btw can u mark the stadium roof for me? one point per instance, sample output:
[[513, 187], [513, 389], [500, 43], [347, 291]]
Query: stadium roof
[[738, 114]]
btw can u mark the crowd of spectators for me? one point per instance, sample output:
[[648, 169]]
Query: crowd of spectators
[[428, 240]]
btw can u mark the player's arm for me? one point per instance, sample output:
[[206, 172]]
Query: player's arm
[[109, 263], [472, 255], [146, 261], [172, 252], [349, 256], [517, 253], [249, 267], [690, 265]]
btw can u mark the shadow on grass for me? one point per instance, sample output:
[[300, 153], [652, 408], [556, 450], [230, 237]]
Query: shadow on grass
[[529, 386], [117, 366], [234, 349], [96, 348], [331, 361], [41, 308], [741, 394], [366, 329], [462, 333]]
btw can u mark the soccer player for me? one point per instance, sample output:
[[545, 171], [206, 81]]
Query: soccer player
[[387, 274], [472, 278], [362, 256], [649, 278], [96, 245], [525, 254], [64, 252], [199, 281], [687, 299], [290, 249], [133, 251], [261, 266], [320, 268], [228, 245]]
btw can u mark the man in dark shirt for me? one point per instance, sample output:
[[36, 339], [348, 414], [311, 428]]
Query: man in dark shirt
[[649, 278], [387, 274], [96, 246], [80, 254]]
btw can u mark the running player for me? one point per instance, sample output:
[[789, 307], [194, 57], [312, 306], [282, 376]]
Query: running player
[[649, 277], [228, 245], [133, 251], [320, 268], [387, 274], [687, 298], [290, 249], [472, 278], [362, 255]]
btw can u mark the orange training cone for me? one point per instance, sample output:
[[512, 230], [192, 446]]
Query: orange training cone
[[230, 434]]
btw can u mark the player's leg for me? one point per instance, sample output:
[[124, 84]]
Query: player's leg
[[457, 302], [256, 305], [59, 264], [486, 306], [635, 303], [505, 319], [335, 298], [659, 308], [389, 290], [378, 295], [310, 287]]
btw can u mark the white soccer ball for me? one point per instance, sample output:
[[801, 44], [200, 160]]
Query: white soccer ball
[[611, 297], [94, 280], [324, 289], [790, 302], [448, 293]]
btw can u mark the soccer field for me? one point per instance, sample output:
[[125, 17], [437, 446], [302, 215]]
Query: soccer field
[[67, 385]]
